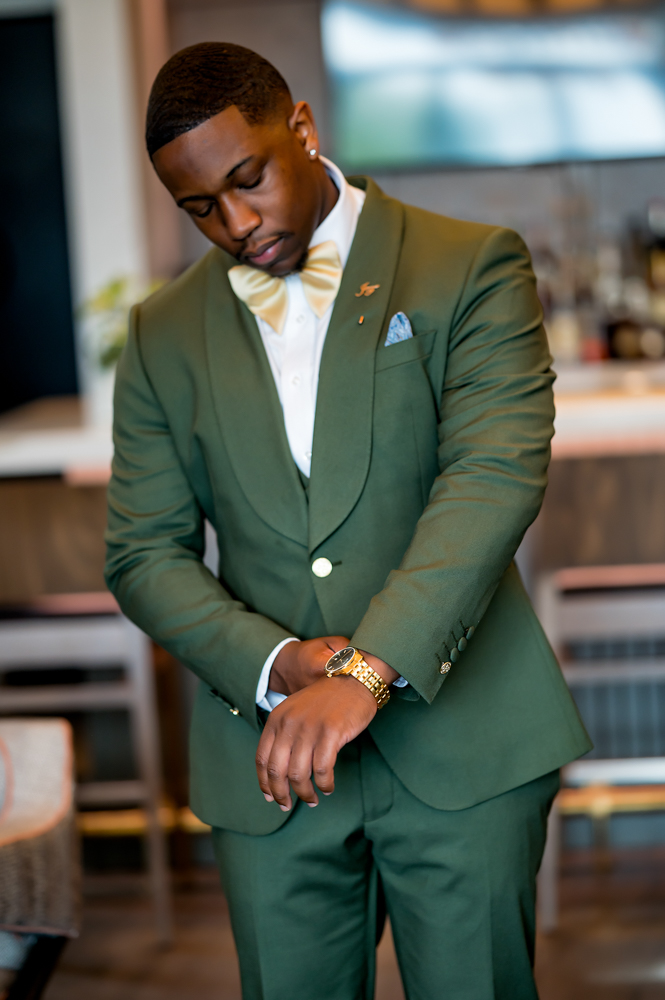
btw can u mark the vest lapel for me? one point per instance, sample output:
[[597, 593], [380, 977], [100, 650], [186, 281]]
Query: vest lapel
[[343, 425], [250, 416]]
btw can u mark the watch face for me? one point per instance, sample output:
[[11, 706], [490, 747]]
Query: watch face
[[339, 660]]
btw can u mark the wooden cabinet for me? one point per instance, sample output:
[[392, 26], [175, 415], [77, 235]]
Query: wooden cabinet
[[601, 511], [51, 538]]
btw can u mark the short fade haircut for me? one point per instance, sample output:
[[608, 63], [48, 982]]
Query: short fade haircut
[[201, 81]]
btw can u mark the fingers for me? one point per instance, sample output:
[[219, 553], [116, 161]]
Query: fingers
[[300, 771], [277, 769], [299, 746], [287, 764], [323, 764], [262, 758], [284, 763]]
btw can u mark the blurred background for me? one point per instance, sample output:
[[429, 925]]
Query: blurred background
[[547, 116]]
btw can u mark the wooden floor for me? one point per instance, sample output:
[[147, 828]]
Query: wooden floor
[[610, 944]]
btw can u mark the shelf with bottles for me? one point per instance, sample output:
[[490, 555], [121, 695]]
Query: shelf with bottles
[[604, 298]]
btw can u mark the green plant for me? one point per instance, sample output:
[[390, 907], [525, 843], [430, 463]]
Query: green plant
[[107, 313]]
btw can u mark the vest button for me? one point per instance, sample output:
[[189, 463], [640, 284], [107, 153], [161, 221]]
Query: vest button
[[322, 567]]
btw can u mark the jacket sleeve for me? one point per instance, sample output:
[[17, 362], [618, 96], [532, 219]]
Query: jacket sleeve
[[495, 427], [155, 542]]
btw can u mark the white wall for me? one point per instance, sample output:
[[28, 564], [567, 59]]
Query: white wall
[[103, 196], [102, 167], [106, 222]]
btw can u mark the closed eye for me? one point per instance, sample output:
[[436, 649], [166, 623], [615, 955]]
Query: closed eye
[[205, 212], [248, 187]]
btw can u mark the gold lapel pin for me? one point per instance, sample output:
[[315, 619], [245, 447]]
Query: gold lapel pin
[[366, 289], [361, 321]]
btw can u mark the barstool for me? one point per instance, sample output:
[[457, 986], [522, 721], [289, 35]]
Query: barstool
[[88, 630], [622, 605]]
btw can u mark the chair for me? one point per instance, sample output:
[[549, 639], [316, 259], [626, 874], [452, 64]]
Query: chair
[[607, 626], [88, 630], [39, 857]]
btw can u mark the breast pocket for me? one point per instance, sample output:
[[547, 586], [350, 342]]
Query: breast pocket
[[416, 348]]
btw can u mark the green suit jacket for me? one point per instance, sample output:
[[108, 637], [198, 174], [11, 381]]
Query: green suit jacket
[[429, 463]]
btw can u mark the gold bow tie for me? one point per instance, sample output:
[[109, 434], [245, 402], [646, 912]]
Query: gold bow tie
[[267, 296]]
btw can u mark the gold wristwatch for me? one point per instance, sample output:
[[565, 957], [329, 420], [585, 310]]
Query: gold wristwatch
[[351, 662]]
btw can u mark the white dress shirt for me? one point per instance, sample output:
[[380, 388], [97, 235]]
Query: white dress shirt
[[295, 359], [295, 353]]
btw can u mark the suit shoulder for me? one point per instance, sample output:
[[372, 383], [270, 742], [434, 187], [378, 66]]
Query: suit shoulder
[[466, 250], [178, 299], [457, 235]]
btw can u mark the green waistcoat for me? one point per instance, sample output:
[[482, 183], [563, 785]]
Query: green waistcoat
[[429, 463]]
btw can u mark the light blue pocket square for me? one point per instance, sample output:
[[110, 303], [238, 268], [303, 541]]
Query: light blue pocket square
[[399, 329]]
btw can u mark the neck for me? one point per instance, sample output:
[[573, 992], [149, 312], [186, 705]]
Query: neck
[[328, 194]]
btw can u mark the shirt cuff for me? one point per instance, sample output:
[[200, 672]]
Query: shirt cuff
[[401, 682], [266, 699]]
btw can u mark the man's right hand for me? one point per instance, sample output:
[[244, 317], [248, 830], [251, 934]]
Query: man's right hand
[[299, 664]]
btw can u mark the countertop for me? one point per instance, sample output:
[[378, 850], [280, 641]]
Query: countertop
[[608, 408], [50, 438]]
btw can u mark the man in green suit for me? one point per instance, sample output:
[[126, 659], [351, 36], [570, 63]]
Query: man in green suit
[[356, 394]]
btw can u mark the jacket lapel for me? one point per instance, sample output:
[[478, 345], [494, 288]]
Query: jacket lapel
[[343, 426], [248, 408]]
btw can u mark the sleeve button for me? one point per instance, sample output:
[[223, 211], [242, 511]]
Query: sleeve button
[[461, 645], [469, 632], [454, 655]]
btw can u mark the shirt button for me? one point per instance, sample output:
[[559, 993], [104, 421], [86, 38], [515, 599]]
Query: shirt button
[[308, 454], [295, 380], [300, 319], [322, 567]]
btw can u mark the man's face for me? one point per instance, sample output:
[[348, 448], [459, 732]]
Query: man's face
[[253, 190]]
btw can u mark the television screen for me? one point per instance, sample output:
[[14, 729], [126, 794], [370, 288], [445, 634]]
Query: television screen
[[411, 90]]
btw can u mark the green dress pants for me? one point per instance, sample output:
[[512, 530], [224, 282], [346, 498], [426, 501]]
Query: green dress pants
[[307, 902]]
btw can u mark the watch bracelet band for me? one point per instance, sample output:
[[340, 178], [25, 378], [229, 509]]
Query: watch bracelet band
[[373, 682]]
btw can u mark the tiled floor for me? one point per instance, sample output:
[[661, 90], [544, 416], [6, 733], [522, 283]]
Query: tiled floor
[[610, 944]]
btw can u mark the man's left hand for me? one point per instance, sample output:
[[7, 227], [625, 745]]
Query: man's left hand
[[304, 734]]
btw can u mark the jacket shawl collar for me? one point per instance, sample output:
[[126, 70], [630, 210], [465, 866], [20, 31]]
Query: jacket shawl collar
[[246, 401], [345, 400], [248, 408]]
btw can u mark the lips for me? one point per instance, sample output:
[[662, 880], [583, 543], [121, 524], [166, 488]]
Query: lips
[[266, 254]]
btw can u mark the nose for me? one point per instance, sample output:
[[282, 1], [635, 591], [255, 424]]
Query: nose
[[239, 218]]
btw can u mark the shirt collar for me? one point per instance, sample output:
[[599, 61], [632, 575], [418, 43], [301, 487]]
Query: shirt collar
[[340, 224]]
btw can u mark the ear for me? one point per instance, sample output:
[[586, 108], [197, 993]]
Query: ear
[[302, 124]]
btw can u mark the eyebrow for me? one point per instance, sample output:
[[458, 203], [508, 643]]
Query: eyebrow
[[208, 197]]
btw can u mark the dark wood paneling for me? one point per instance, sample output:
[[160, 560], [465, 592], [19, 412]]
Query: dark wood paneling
[[602, 511], [51, 538]]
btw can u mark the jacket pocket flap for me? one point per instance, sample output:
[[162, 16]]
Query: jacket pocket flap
[[416, 348]]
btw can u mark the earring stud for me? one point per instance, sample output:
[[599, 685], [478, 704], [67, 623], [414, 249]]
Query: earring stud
[[312, 152]]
